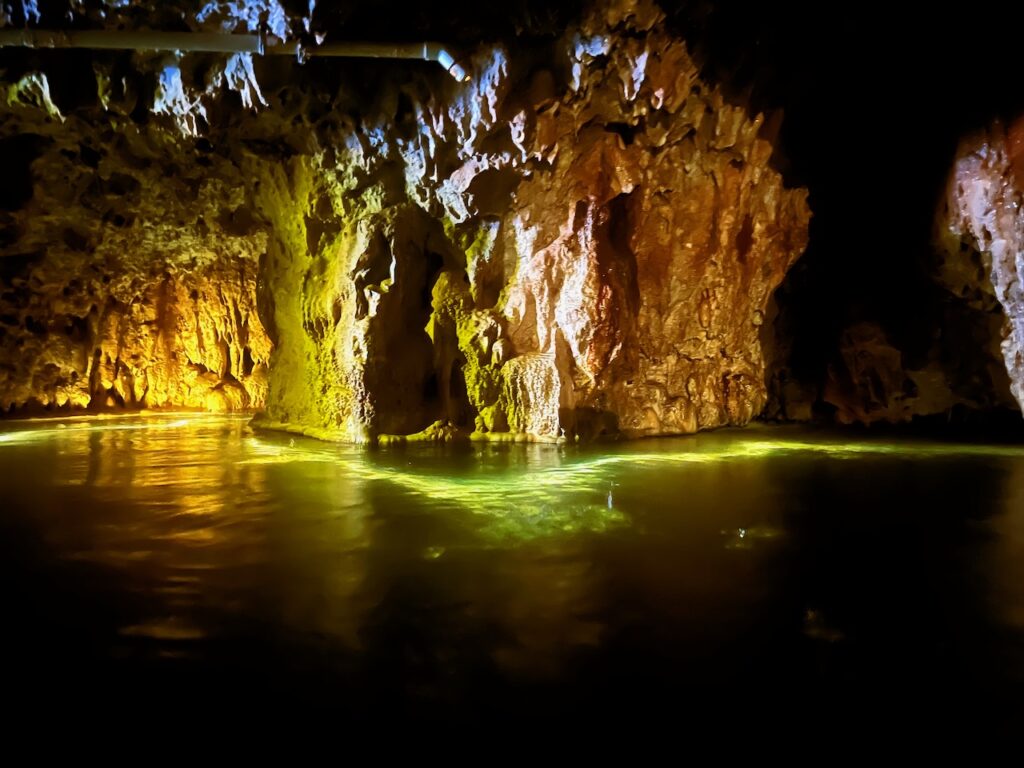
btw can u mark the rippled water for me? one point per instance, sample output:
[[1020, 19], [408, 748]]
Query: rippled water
[[734, 579]]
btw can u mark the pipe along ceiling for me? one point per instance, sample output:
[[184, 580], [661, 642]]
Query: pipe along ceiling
[[226, 43]]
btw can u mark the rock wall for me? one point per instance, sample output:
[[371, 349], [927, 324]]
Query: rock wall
[[981, 227], [581, 240], [580, 244], [128, 267]]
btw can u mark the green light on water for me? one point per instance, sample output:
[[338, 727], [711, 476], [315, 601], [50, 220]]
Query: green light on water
[[526, 505], [550, 493], [577, 495]]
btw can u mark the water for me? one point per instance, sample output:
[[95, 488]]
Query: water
[[763, 579]]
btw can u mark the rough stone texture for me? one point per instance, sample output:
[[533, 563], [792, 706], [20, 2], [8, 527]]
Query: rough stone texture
[[581, 240], [127, 269], [582, 246], [982, 231], [871, 381]]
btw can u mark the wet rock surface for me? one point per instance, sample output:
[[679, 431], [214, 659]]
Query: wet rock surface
[[128, 255], [124, 280]]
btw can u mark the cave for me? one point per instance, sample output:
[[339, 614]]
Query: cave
[[656, 364]]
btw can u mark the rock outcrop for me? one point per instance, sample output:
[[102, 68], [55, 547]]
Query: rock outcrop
[[128, 268], [981, 228], [873, 382], [581, 246], [128, 253]]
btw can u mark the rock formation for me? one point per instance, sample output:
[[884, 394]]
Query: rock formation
[[128, 257], [981, 225], [581, 240], [585, 246], [939, 354], [128, 271]]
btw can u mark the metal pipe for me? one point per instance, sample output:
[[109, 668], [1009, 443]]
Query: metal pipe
[[142, 40], [220, 43], [420, 51]]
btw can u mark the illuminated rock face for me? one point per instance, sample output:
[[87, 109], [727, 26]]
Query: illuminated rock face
[[128, 253], [981, 227], [535, 257], [581, 240], [181, 339], [127, 279]]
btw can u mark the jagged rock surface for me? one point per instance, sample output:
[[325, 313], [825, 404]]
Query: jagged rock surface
[[127, 271], [981, 226], [584, 246], [583, 239], [128, 253]]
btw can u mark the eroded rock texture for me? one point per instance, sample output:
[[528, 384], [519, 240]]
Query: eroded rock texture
[[581, 240], [981, 227], [581, 245], [127, 270]]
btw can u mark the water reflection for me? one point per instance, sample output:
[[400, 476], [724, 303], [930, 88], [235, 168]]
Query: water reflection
[[1004, 565], [492, 581]]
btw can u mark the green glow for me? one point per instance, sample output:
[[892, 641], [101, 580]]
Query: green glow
[[537, 501], [522, 506], [552, 490]]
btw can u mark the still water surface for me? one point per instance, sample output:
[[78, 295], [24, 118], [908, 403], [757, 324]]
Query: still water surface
[[772, 576]]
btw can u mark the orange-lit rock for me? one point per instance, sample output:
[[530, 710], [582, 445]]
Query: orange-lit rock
[[179, 340], [647, 255], [127, 277]]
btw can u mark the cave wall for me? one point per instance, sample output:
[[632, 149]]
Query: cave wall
[[583, 243], [981, 234], [582, 239], [127, 268], [587, 237], [128, 253]]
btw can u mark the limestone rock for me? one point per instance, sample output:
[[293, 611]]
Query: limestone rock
[[981, 228], [127, 276], [872, 381], [600, 252], [580, 240]]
